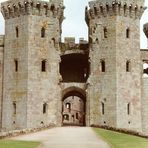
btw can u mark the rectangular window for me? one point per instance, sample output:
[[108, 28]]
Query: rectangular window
[[14, 108], [102, 105], [102, 65], [105, 32], [128, 66], [43, 32], [77, 116], [44, 108], [16, 65], [127, 33], [17, 32], [128, 108], [43, 66]]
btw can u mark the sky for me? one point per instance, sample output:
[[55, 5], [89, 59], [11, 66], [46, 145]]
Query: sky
[[74, 25]]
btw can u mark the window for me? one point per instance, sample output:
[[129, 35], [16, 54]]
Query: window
[[102, 105], [128, 108], [14, 108], [52, 8], [145, 69], [102, 65], [77, 116], [53, 42], [43, 66], [17, 32], [105, 32], [128, 66], [16, 65], [66, 117], [44, 108], [125, 7], [127, 33], [43, 32], [68, 105]]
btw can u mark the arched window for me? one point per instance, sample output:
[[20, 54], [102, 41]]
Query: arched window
[[66, 117], [38, 6], [128, 66], [102, 107], [16, 65], [127, 33], [105, 32], [130, 8], [43, 66], [53, 41], [17, 32], [44, 108], [97, 40], [102, 65], [68, 105], [125, 7], [43, 31], [52, 8], [14, 108]]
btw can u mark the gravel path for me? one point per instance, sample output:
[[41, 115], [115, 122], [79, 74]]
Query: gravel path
[[66, 137]]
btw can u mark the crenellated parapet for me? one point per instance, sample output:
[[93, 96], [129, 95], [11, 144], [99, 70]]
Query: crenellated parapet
[[16, 8], [70, 46], [104, 8]]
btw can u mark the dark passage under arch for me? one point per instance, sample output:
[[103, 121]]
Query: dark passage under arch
[[75, 114]]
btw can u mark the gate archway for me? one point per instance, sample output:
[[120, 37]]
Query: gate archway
[[73, 106]]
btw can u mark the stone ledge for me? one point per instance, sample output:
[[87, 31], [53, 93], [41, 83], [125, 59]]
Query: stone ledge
[[122, 130], [7, 134]]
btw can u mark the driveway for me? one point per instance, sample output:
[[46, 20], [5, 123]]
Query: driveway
[[66, 137]]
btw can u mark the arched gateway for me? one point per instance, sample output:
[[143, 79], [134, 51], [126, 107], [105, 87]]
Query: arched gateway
[[73, 106]]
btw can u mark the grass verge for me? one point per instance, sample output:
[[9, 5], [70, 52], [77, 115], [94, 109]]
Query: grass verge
[[18, 144], [120, 140]]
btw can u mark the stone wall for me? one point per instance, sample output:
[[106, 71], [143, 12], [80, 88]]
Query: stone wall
[[15, 86], [33, 92], [33, 32], [115, 88], [128, 82], [43, 85], [144, 54], [1, 75], [144, 105]]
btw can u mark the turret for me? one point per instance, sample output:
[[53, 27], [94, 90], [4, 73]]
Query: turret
[[17, 8], [103, 8], [114, 39], [31, 61]]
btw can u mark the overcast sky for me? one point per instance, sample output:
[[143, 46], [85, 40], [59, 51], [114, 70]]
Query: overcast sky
[[74, 25]]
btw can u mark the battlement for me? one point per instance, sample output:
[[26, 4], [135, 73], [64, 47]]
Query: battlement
[[128, 2], [16, 8], [1, 40], [69, 44], [103, 8]]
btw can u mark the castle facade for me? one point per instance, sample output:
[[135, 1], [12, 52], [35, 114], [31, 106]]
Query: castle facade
[[44, 81]]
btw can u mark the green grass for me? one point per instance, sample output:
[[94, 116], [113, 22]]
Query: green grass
[[18, 144], [120, 140]]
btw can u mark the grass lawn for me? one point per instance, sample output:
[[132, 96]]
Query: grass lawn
[[18, 144], [119, 140]]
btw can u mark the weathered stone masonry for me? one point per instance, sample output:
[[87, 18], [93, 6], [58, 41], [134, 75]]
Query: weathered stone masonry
[[46, 82]]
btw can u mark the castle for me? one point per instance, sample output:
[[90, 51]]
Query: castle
[[44, 81]]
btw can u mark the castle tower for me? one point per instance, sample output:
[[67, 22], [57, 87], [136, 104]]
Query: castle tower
[[31, 61], [114, 90]]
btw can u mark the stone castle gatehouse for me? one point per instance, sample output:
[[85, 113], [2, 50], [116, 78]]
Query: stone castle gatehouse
[[44, 81]]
